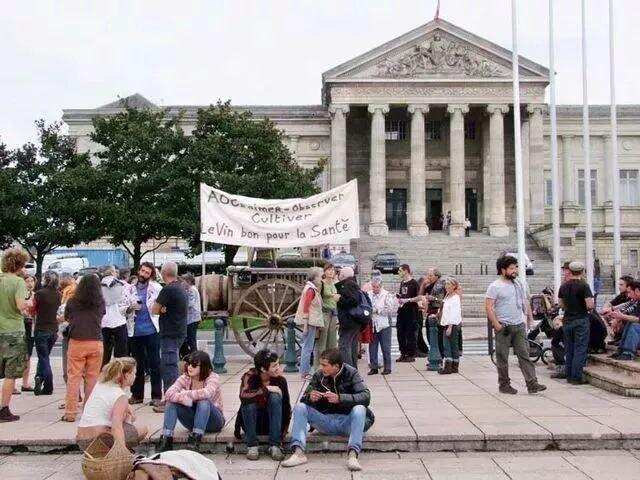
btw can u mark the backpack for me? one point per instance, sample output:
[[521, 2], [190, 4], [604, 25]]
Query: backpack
[[361, 313]]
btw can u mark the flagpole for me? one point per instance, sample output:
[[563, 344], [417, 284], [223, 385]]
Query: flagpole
[[586, 148], [554, 154], [518, 144], [617, 266]]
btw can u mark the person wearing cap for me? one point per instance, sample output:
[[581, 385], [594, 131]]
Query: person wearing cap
[[576, 300]]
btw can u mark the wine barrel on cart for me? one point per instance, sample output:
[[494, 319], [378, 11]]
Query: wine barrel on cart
[[213, 291]]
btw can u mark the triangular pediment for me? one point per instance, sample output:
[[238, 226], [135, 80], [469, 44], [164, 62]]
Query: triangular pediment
[[437, 50]]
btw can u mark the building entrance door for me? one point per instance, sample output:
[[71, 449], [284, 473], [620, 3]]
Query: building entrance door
[[471, 207], [397, 208], [434, 208]]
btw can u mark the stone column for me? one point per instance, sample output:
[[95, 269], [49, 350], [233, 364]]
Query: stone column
[[568, 184], [486, 177], [536, 162], [338, 144], [456, 167], [609, 175], [498, 226], [417, 189], [293, 145], [526, 174], [378, 173]]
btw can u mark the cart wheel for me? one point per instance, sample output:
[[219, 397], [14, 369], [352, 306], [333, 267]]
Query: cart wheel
[[261, 314], [547, 356]]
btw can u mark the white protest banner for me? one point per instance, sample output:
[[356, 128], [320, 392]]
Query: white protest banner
[[326, 218]]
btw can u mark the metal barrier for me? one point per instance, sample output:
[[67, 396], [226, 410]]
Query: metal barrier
[[219, 360]]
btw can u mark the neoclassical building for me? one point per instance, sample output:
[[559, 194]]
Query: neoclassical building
[[425, 123]]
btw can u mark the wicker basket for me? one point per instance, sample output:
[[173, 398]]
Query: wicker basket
[[105, 459]]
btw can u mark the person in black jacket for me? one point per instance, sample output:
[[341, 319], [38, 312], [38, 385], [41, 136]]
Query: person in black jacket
[[335, 403], [349, 328]]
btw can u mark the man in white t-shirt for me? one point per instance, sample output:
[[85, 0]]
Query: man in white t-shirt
[[507, 308]]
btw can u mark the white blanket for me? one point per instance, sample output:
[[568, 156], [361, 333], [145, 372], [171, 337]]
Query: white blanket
[[191, 464]]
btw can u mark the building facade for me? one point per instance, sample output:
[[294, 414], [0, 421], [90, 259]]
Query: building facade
[[425, 123]]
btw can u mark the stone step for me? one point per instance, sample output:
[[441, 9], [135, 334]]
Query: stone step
[[621, 377]]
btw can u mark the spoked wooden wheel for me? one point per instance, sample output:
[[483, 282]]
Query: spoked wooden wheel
[[261, 314]]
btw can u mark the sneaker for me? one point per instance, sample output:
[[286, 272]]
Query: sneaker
[[352, 461], [386, 371], [560, 375], [253, 453], [536, 388], [373, 371], [508, 389], [297, 458], [7, 416], [195, 439], [37, 389], [276, 453], [68, 418], [155, 403], [159, 407]]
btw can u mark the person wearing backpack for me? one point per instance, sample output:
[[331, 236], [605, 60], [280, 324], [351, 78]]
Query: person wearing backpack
[[354, 314]]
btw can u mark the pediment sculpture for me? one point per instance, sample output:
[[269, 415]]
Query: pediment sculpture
[[440, 56]]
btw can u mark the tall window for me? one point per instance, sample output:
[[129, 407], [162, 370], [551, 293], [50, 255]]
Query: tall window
[[395, 130], [629, 191], [470, 129], [434, 129], [594, 187], [633, 258], [548, 189]]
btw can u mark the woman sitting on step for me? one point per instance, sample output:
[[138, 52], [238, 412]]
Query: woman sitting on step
[[108, 409], [196, 400]]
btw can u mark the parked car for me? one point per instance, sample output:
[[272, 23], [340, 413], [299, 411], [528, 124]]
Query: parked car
[[386, 262], [341, 260], [71, 265], [528, 262]]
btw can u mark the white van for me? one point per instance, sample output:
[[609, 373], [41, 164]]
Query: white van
[[71, 265]]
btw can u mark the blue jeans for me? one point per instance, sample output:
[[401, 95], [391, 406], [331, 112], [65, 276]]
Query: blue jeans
[[201, 417], [251, 417], [44, 342], [146, 351], [630, 338], [308, 341], [451, 344], [382, 339], [169, 348], [576, 345], [329, 424]]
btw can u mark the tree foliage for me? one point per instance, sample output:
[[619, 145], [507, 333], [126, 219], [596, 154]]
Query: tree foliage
[[45, 192], [137, 157]]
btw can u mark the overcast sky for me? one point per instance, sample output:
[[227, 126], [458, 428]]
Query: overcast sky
[[82, 54]]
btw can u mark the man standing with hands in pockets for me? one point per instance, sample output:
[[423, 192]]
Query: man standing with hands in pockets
[[507, 307]]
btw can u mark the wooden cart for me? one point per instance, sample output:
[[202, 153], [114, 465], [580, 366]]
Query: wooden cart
[[258, 302]]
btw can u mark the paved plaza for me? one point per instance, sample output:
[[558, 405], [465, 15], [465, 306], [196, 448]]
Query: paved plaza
[[415, 411]]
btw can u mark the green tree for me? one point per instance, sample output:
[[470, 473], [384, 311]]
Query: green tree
[[137, 157], [235, 152], [45, 194]]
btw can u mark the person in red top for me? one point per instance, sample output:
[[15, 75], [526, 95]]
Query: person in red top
[[265, 407], [196, 400]]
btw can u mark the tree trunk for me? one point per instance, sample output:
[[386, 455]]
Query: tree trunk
[[39, 262], [229, 254], [137, 255]]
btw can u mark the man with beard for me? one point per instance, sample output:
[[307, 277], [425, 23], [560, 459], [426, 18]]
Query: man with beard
[[507, 307], [145, 340]]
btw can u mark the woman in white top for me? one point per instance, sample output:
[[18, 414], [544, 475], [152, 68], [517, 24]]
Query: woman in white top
[[108, 409], [451, 320]]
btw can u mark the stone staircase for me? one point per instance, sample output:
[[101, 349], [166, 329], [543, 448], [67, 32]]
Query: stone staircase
[[621, 377]]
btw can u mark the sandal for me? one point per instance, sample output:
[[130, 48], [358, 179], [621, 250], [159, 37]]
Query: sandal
[[68, 418]]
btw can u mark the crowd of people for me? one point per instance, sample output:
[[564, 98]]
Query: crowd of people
[[118, 329]]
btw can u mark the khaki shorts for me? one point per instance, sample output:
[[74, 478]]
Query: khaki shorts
[[13, 355]]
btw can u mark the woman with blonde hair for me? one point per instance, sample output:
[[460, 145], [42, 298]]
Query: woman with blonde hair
[[108, 409], [451, 320]]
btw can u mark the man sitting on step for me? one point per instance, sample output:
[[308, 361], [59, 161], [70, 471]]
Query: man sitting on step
[[630, 341], [334, 403]]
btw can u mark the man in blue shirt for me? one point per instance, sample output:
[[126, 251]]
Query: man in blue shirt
[[145, 342]]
